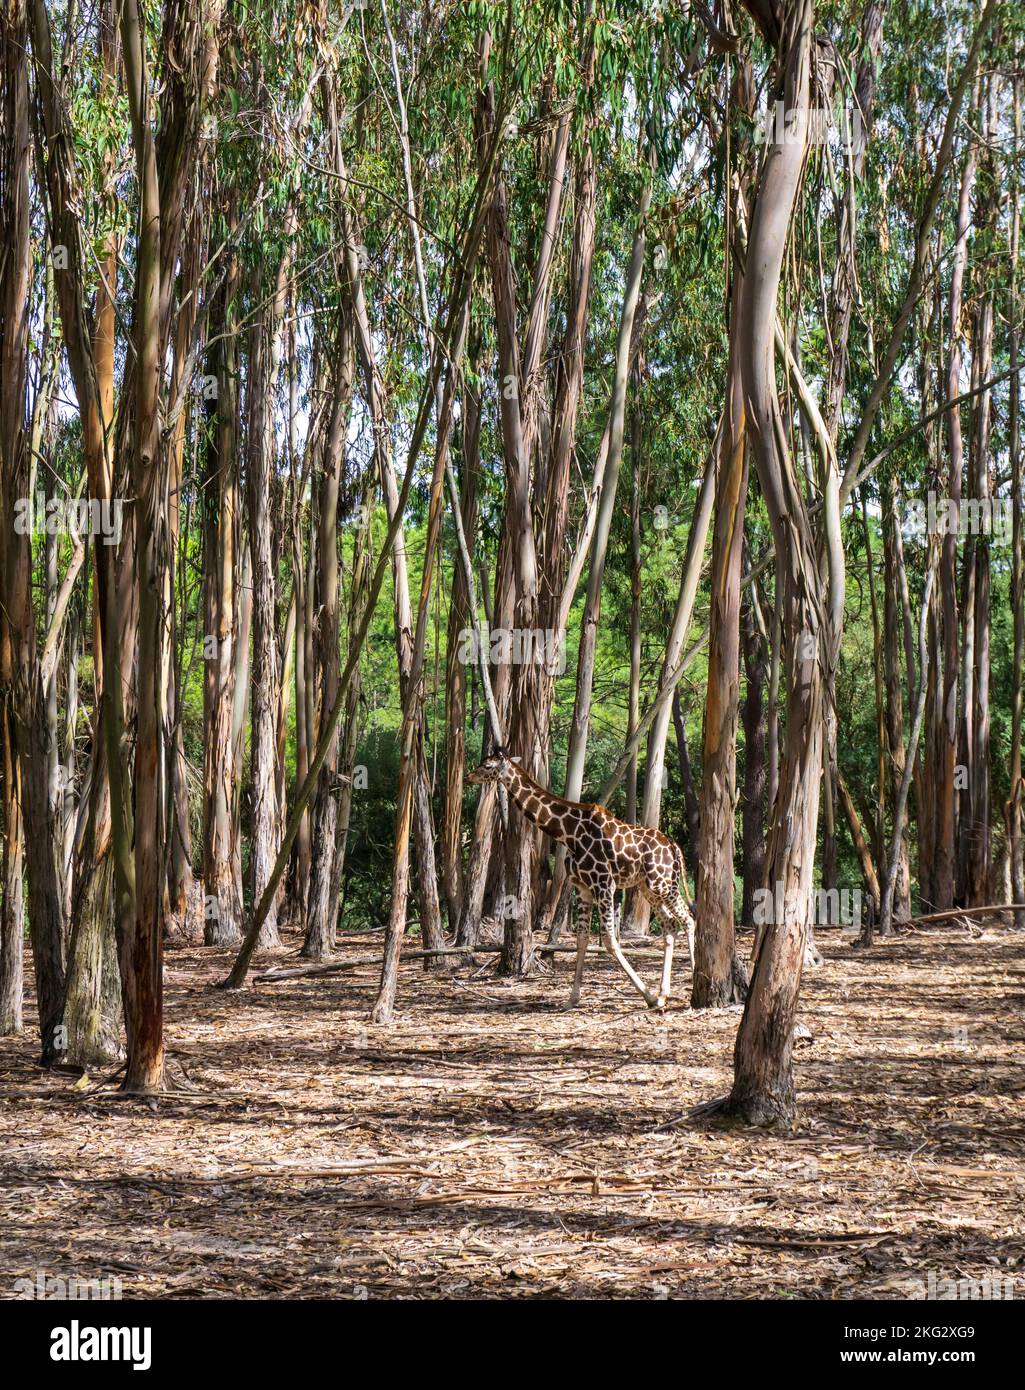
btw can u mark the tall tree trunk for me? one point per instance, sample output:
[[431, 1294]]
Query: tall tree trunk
[[413, 711], [892, 877], [30, 830], [179, 851], [1016, 788], [978, 832], [456, 667], [763, 1089], [351, 719], [165, 161], [223, 912], [590, 618], [14, 482], [634, 700], [302, 573], [422, 814], [844, 292], [140, 916], [755, 768], [927, 768], [894, 703], [946, 856], [882, 750], [522, 554], [322, 912], [92, 1009], [538, 452], [718, 977], [690, 794], [638, 911], [772, 701], [264, 358]]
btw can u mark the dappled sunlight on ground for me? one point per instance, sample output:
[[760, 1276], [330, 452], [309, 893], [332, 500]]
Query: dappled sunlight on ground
[[490, 1144]]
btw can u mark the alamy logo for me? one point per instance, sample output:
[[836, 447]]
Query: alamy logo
[[830, 907], [55, 1286], [990, 1288], [83, 516], [78, 1343], [518, 646], [812, 124], [974, 516]]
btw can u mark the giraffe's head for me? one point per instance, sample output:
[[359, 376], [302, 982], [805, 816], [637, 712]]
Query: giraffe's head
[[496, 767]]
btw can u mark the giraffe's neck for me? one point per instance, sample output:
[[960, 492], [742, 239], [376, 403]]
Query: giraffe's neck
[[538, 805]]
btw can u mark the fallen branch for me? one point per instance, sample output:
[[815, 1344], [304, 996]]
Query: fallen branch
[[961, 912]]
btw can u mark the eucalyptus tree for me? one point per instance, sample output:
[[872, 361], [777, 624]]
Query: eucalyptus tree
[[91, 1008], [763, 1084], [164, 158], [718, 976], [1016, 789], [812, 610], [28, 821]]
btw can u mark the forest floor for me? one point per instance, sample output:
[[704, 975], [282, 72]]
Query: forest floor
[[490, 1144]]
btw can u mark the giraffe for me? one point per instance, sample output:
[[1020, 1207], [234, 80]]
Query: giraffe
[[604, 854]]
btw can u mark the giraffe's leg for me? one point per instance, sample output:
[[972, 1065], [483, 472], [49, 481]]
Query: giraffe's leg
[[607, 916], [667, 970], [668, 946], [584, 910], [670, 906]]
